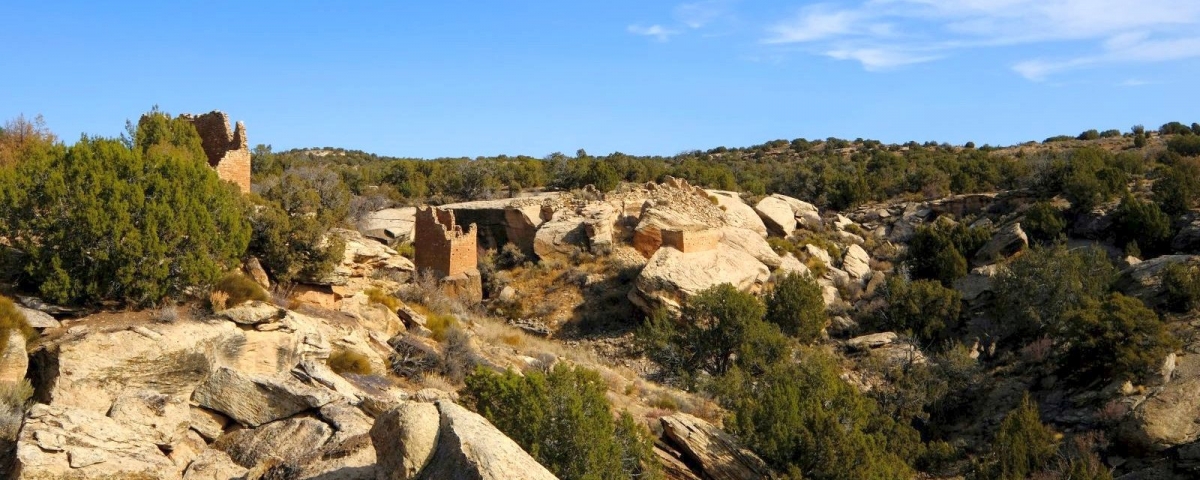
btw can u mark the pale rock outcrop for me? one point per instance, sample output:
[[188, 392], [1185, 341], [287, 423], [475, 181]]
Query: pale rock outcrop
[[522, 222], [1145, 279], [777, 215], [819, 253], [207, 423], [659, 216], [255, 271], [1007, 241], [253, 312], [717, 453], [737, 213], [257, 400], [14, 362], [1170, 414], [270, 352], [790, 264], [291, 441], [599, 220], [372, 316], [671, 276], [90, 370], [1188, 238], [214, 465], [38, 319], [159, 418], [363, 257], [560, 236], [1095, 224], [66, 442], [404, 440], [391, 225], [752, 243], [857, 263], [469, 447], [872, 341]]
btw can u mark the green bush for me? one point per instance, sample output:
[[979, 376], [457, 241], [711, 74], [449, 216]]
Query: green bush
[[1188, 146], [940, 251], [346, 361], [802, 417], [101, 221], [1024, 445], [1178, 187], [11, 319], [1092, 134], [240, 289], [924, 308], [563, 420], [717, 329], [1115, 338], [1182, 286], [1044, 223], [1144, 223], [1036, 290], [796, 305], [292, 246]]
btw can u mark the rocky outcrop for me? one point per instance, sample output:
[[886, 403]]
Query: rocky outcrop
[[510, 220], [252, 313], [1005, 243], [14, 362], [1144, 280], [737, 213], [292, 440], [404, 440], [1095, 224], [469, 447], [88, 370], [38, 319], [782, 214], [214, 465], [256, 400], [752, 243], [1170, 415], [671, 276], [1188, 238], [67, 442], [717, 453], [390, 226], [561, 236], [857, 263]]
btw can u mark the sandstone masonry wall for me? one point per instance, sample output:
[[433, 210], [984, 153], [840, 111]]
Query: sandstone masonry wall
[[226, 149], [441, 245], [688, 240]]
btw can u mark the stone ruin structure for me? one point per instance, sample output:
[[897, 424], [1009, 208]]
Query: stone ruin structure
[[691, 239], [226, 150], [450, 253]]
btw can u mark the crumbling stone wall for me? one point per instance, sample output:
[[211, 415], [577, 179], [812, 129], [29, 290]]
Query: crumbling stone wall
[[688, 240], [442, 246], [226, 149]]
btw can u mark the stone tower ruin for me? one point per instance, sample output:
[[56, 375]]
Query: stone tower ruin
[[444, 248], [226, 149]]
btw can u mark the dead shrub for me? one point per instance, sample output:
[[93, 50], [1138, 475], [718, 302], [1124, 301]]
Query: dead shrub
[[218, 300], [165, 314], [346, 361], [412, 358], [458, 356]]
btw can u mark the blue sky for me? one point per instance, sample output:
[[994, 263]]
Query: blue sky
[[454, 78]]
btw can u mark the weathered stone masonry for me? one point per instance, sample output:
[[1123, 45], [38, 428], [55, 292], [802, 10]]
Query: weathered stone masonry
[[226, 150], [442, 246]]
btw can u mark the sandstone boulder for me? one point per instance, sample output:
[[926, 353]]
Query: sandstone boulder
[[404, 440], [752, 243], [255, 271], [737, 213], [214, 465], [874, 340], [290, 441], [857, 263], [90, 370], [717, 453], [38, 319], [257, 400], [1188, 238], [14, 362], [790, 264], [67, 442], [671, 276], [1005, 243], [777, 215], [253, 312], [561, 236], [469, 447], [391, 225], [819, 253], [1170, 414], [1144, 280], [1095, 224], [159, 418]]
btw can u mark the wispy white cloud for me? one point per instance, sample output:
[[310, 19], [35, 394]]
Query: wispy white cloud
[[888, 33], [656, 31], [700, 14]]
